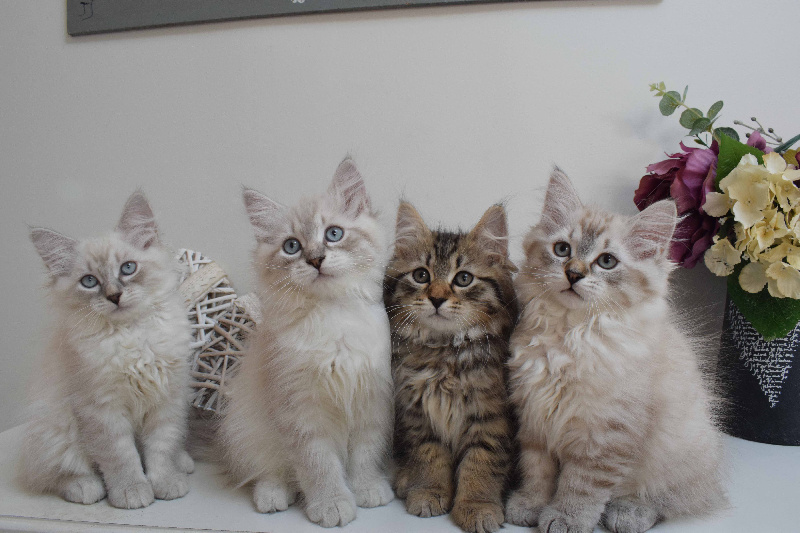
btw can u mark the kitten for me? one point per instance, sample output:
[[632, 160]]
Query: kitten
[[311, 406], [616, 422], [111, 403], [451, 305]]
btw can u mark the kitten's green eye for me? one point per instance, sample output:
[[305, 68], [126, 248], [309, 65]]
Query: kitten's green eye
[[89, 281], [334, 234], [421, 275], [607, 261], [562, 249], [463, 278], [291, 246], [128, 268]]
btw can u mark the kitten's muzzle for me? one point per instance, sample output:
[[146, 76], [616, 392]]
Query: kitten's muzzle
[[437, 302], [316, 262]]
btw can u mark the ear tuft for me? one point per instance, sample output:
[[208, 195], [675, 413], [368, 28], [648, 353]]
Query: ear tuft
[[265, 214], [137, 223], [56, 250], [348, 186], [560, 202], [490, 234], [409, 228], [652, 230]]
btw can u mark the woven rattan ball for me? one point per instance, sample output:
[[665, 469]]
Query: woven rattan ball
[[221, 321]]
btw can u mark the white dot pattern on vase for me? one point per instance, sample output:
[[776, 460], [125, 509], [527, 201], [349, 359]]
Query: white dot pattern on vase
[[768, 361]]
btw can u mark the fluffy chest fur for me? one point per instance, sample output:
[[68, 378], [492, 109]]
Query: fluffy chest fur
[[573, 372], [133, 366]]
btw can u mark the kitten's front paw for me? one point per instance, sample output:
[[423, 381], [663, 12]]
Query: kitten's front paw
[[170, 487], [83, 489], [477, 517], [552, 520], [521, 511], [331, 513], [401, 482], [427, 503], [624, 516], [269, 496], [374, 494], [131, 495], [184, 462]]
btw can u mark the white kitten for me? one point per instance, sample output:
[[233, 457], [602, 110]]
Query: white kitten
[[311, 406], [616, 421], [115, 381]]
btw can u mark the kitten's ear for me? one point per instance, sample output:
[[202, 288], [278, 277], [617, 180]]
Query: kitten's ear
[[560, 202], [137, 223], [348, 186], [652, 230], [56, 250], [490, 234], [265, 214], [410, 229]]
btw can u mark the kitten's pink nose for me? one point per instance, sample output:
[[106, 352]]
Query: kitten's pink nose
[[114, 297], [573, 276], [316, 262]]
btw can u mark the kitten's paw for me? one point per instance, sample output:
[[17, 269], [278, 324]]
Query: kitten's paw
[[521, 511], [477, 517], [427, 503], [131, 495], [552, 520], [333, 512], [170, 487], [83, 489], [184, 462], [625, 516], [270, 496], [374, 494], [401, 482]]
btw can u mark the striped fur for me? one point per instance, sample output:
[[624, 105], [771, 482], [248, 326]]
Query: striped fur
[[452, 427], [616, 422]]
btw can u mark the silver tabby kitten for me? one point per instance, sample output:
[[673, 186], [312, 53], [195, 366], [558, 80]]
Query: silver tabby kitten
[[110, 406], [615, 418]]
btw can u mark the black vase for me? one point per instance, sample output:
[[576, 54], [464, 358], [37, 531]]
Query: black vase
[[761, 389]]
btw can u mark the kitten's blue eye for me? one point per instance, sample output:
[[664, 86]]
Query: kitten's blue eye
[[291, 246], [334, 234], [128, 268], [607, 261], [562, 249], [421, 275], [89, 281], [463, 278]]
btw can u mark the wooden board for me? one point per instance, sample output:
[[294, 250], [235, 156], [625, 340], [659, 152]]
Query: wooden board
[[86, 17]]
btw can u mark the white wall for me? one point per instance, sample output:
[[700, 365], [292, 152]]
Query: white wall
[[457, 107]]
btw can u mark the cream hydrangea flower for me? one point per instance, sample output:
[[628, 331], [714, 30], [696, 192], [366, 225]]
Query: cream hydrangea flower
[[753, 277], [769, 229], [747, 186], [717, 204], [787, 280], [722, 257]]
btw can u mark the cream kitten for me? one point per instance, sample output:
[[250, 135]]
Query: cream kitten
[[616, 422], [111, 403], [311, 406]]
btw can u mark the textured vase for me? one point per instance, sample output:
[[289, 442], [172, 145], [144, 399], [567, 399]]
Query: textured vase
[[760, 381]]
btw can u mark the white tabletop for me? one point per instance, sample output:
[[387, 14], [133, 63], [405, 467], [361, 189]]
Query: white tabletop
[[764, 490]]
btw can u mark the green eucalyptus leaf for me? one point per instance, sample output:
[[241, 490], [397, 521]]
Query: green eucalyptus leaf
[[772, 317], [689, 116], [669, 103], [700, 125], [788, 144], [730, 153], [685, 90], [730, 132], [662, 86], [714, 110]]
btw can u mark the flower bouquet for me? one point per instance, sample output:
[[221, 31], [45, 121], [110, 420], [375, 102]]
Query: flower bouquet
[[739, 205]]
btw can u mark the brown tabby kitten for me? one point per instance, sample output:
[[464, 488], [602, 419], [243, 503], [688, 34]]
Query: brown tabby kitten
[[451, 306]]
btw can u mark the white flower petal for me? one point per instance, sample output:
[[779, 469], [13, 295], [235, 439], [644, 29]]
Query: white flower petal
[[717, 204], [775, 163], [753, 277], [748, 159], [787, 279]]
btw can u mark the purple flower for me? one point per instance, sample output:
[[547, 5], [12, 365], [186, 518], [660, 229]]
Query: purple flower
[[757, 141], [686, 177]]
